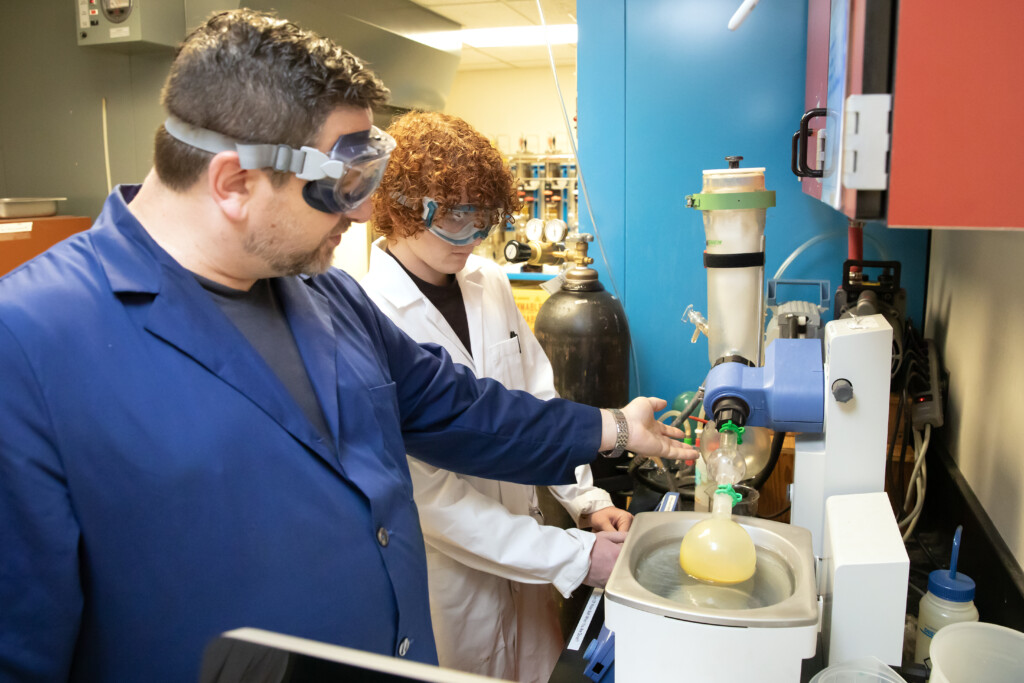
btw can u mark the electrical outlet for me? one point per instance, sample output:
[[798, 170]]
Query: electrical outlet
[[926, 404]]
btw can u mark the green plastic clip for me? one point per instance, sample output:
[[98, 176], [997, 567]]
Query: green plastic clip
[[728, 489], [731, 426]]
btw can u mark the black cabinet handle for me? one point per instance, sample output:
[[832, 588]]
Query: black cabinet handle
[[798, 162]]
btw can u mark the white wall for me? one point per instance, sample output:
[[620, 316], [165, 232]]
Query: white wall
[[353, 254], [975, 314], [505, 104]]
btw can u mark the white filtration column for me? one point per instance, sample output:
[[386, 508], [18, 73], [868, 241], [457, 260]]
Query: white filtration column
[[734, 260]]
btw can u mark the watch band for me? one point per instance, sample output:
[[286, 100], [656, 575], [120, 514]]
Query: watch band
[[621, 434]]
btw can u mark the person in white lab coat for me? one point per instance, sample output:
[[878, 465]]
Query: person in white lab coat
[[490, 558]]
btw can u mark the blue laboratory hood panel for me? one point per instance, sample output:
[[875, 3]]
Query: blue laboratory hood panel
[[666, 91]]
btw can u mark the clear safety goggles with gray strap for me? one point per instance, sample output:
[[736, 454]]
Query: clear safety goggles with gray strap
[[339, 181]]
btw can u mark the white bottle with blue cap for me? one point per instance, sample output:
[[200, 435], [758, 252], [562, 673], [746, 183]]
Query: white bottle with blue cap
[[950, 599]]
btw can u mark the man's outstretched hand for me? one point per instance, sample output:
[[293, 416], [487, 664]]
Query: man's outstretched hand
[[647, 436]]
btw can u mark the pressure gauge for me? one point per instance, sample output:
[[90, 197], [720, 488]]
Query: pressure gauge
[[534, 230], [555, 230], [116, 11]]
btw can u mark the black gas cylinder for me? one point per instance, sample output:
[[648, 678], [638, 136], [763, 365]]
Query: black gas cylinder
[[584, 333]]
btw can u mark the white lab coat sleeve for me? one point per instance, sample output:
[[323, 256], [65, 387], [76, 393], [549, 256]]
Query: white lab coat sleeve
[[479, 532], [581, 498]]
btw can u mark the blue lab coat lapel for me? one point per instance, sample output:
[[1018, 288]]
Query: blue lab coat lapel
[[184, 315]]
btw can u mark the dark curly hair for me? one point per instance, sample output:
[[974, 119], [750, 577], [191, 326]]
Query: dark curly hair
[[439, 155], [260, 79]]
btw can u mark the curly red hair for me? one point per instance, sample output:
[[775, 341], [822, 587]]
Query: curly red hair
[[439, 156]]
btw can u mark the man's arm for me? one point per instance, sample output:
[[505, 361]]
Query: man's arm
[[40, 592], [453, 420]]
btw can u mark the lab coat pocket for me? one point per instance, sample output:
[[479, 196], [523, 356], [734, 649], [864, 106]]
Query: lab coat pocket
[[385, 408], [506, 363]]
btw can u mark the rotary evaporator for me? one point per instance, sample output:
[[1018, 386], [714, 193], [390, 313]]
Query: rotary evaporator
[[839, 568]]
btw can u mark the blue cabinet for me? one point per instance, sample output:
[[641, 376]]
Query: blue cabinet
[[665, 91]]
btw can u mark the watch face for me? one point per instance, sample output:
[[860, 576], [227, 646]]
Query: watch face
[[555, 230], [534, 229]]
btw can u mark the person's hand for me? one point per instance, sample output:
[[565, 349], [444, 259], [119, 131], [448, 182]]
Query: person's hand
[[609, 519], [647, 436], [602, 557]]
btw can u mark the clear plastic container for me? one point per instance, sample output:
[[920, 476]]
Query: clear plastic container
[[865, 670], [949, 600]]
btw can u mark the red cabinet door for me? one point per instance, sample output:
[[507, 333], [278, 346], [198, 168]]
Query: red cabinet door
[[957, 144]]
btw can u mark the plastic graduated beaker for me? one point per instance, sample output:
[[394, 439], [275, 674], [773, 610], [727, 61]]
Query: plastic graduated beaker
[[972, 651], [735, 294]]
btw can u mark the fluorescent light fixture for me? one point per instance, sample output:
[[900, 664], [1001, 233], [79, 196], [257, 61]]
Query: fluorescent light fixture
[[505, 36]]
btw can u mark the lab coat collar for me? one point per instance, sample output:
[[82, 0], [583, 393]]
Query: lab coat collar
[[118, 236], [185, 316], [390, 279], [395, 285]]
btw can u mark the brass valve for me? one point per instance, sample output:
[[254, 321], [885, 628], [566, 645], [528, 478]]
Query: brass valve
[[576, 249], [537, 253]]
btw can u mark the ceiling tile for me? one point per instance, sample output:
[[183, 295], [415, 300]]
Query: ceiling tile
[[434, 3], [472, 57], [535, 55], [482, 15], [555, 11], [495, 13]]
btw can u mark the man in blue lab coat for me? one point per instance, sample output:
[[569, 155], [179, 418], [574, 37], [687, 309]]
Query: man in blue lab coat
[[203, 427]]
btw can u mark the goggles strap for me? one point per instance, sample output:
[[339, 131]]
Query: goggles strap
[[428, 204], [250, 156], [277, 157], [200, 138], [404, 201]]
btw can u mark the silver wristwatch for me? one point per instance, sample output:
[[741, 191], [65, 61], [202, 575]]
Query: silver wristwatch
[[621, 434]]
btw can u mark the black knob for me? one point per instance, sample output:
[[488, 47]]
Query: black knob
[[842, 390], [517, 252], [734, 162]]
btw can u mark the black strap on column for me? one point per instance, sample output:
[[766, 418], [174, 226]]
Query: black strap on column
[[749, 260]]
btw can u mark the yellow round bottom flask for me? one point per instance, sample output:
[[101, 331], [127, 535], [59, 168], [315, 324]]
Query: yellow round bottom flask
[[718, 550]]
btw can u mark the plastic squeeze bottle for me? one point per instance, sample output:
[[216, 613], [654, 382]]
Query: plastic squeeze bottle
[[950, 599]]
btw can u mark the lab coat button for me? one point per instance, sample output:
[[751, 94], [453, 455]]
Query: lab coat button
[[403, 647], [382, 537]]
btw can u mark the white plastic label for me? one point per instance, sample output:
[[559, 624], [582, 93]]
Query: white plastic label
[[554, 284], [9, 228], [121, 32], [588, 615]]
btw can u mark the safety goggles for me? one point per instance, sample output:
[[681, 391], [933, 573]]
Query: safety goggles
[[459, 225], [339, 181]]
